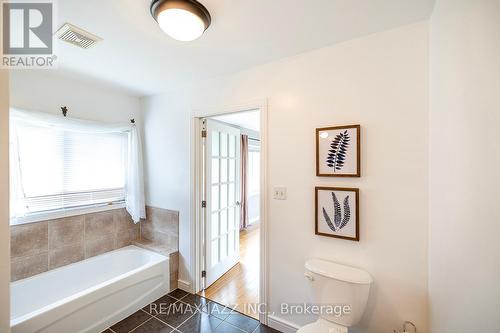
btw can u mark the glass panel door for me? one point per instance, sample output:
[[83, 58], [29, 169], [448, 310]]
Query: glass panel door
[[222, 196]]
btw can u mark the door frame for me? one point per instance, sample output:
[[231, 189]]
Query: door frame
[[197, 196]]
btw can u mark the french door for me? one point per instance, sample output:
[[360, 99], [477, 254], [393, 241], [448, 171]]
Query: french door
[[222, 196]]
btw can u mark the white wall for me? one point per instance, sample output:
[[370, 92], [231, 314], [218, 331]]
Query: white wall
[[464, 256], [166, 156], [48, 90], [379, 81], [4, 204]]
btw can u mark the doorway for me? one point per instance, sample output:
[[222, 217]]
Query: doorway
[[231, 215]]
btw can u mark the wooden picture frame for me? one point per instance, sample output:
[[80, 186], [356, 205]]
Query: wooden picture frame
[[334, 156], [323, 227]]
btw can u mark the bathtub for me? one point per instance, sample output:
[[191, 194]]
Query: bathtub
[[90, 295]]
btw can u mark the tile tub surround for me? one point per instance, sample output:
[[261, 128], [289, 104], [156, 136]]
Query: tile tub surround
[[187, 313], [159, 232], [42, 246], [172, 254], [161, 226]]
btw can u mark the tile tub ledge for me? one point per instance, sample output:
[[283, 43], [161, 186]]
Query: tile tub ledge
[[155, 247], [171, 253]]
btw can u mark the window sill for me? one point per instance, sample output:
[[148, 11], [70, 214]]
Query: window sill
[[39, 217]]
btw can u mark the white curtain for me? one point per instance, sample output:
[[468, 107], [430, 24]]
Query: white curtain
[[17, 207], [134, 184], [134, 190]]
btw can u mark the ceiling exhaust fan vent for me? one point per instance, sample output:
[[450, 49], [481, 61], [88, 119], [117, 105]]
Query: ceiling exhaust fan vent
[[76, 36]]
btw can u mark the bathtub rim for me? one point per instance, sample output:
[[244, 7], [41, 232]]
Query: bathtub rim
[[32, 314]]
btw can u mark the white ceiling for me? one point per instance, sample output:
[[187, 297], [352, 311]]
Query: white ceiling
[[138, 56], [249, 119]]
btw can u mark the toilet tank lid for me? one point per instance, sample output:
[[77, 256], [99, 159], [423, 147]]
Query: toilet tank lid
[[338, 271]]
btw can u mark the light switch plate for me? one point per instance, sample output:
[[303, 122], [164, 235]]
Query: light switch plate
[[279, 193]]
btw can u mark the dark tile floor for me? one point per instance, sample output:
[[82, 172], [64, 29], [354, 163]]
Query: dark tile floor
[[187, 313]]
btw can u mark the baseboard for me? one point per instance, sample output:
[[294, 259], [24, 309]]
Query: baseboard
[[281, 325], [184, 285]]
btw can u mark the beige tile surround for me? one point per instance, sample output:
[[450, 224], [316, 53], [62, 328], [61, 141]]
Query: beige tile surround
[[159, 232], [161, 227], [42, 246]]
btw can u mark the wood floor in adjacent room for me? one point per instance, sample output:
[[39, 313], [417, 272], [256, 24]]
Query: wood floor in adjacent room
[[240, 285]]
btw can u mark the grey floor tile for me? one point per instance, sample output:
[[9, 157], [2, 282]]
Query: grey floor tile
[[243, 322], [200, 323], [227, 328], [178, 293], [265, 329], [153, 326], [177, 314], [131, 322], [195, 300], [218, 310], [161, 305]]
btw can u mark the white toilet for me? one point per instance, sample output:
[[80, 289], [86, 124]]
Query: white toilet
[[337, 286]]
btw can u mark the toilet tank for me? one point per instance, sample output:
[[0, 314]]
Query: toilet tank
[[341, 291]]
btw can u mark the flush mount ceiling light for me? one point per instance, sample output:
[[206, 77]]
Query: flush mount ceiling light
[[184, 20]]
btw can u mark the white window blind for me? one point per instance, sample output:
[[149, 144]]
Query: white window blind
[[62, 168]]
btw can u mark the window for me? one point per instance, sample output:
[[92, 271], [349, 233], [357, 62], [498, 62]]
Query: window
[[253, 171], [61, 167], [253, 181]]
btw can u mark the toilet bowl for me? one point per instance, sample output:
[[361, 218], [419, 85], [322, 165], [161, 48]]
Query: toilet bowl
[[340, 291]]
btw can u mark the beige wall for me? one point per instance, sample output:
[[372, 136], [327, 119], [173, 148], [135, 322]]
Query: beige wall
[[464, 255], [379, 81], [4, 203]]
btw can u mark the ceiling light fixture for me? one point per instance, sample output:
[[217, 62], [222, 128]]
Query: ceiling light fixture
[[184, 20]]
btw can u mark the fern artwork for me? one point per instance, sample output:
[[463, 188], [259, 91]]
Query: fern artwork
[[337, 212], [338, 151], [339, 220]]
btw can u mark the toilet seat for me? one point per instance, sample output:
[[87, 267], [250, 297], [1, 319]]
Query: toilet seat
[[323, 326]]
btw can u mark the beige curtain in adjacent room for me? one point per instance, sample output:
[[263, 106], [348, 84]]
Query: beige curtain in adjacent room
[[243, 180]]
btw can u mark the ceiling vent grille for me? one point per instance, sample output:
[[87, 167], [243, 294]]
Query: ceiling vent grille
[[76, 36]]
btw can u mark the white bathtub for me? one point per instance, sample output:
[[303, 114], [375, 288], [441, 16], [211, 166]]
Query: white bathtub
[[90, 295]]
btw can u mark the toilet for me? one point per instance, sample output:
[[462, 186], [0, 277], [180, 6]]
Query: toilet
[[341, 290]]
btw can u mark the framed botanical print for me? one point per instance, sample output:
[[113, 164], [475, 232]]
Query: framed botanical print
[[338, 151], [337, 212]]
